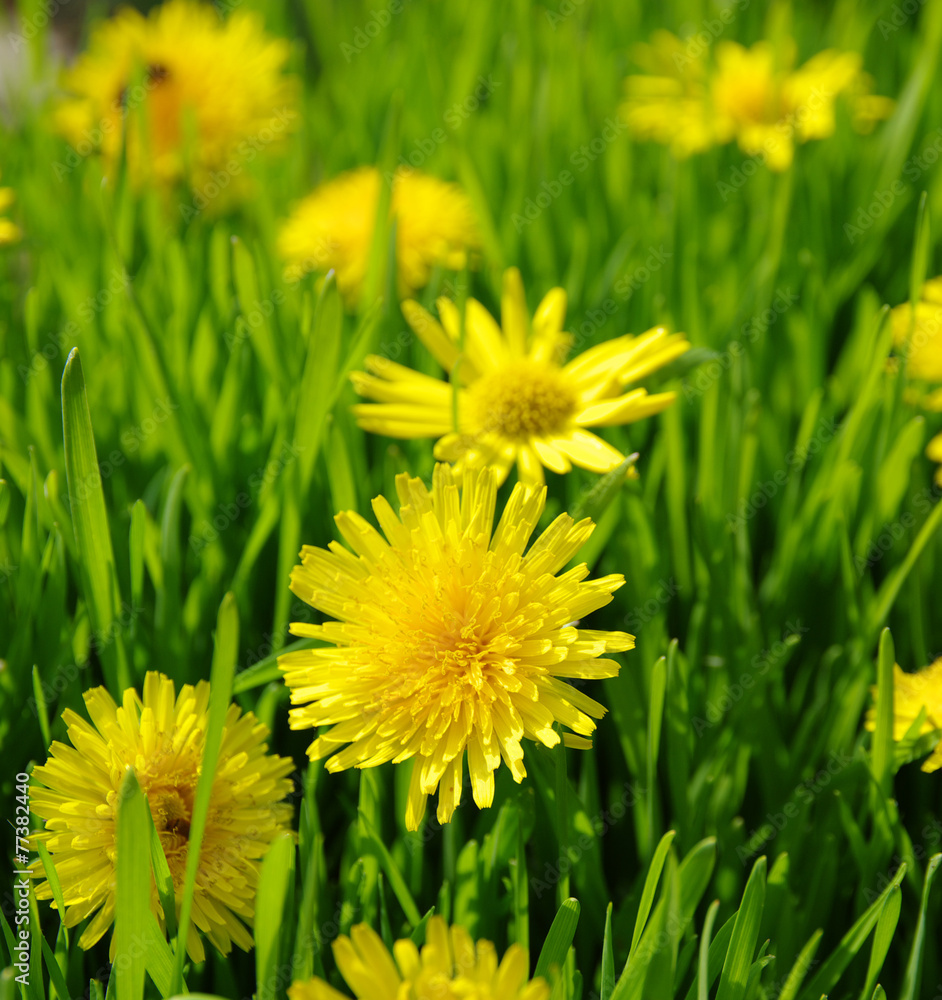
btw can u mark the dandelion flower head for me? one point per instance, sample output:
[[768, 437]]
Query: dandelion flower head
[[449, 638], [162, 736]]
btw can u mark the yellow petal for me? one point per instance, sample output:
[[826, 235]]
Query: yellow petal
[[513, 312]]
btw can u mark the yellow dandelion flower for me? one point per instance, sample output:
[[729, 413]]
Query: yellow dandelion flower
[[9, 231], [751, 95], [919, 339], [333, 228], [162, 737], [204, 95], [450, 966], [448, 638], [911, 694], [516, 400]]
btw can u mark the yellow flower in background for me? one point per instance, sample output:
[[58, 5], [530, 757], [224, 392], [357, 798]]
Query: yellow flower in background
[[450, 966], [9, 231], [162, 737], [919, 339], [667, 103], [516, 400], [196, 98], [333, 229], [911, 694], [753, 96], [448, 638]]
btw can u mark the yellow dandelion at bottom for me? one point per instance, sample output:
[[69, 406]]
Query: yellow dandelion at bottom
[[162, 737], [449, 967], [449, 638], [911, 694]]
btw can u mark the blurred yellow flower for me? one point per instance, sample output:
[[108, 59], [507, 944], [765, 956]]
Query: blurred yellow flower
[[513, 398], [911, 694], [918, 338], [162, 737], [333, 228], [194, 97], [9, 231], [751, 95], [449, 967], [448, 638]]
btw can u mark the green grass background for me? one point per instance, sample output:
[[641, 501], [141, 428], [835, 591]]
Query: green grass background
[[784, 516]]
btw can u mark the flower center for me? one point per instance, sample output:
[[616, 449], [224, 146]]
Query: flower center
[[521, 401], [155, 74], [171, 809]]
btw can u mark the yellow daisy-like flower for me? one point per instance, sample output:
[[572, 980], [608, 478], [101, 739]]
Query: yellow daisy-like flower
[[911, 694], [449, 967], [751, 95], [162, 737], [9, 231], [448, 637], [919, 339], [333, 229], [516, 400], [194, 97]]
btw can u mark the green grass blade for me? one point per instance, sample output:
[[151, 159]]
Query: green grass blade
[[650, 887], [221, 674], [742, 945], [559, 939], [883, 735], [132, 895], [703, 968], [607, 984], [911, 983], [270, 918], [89, 516]]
